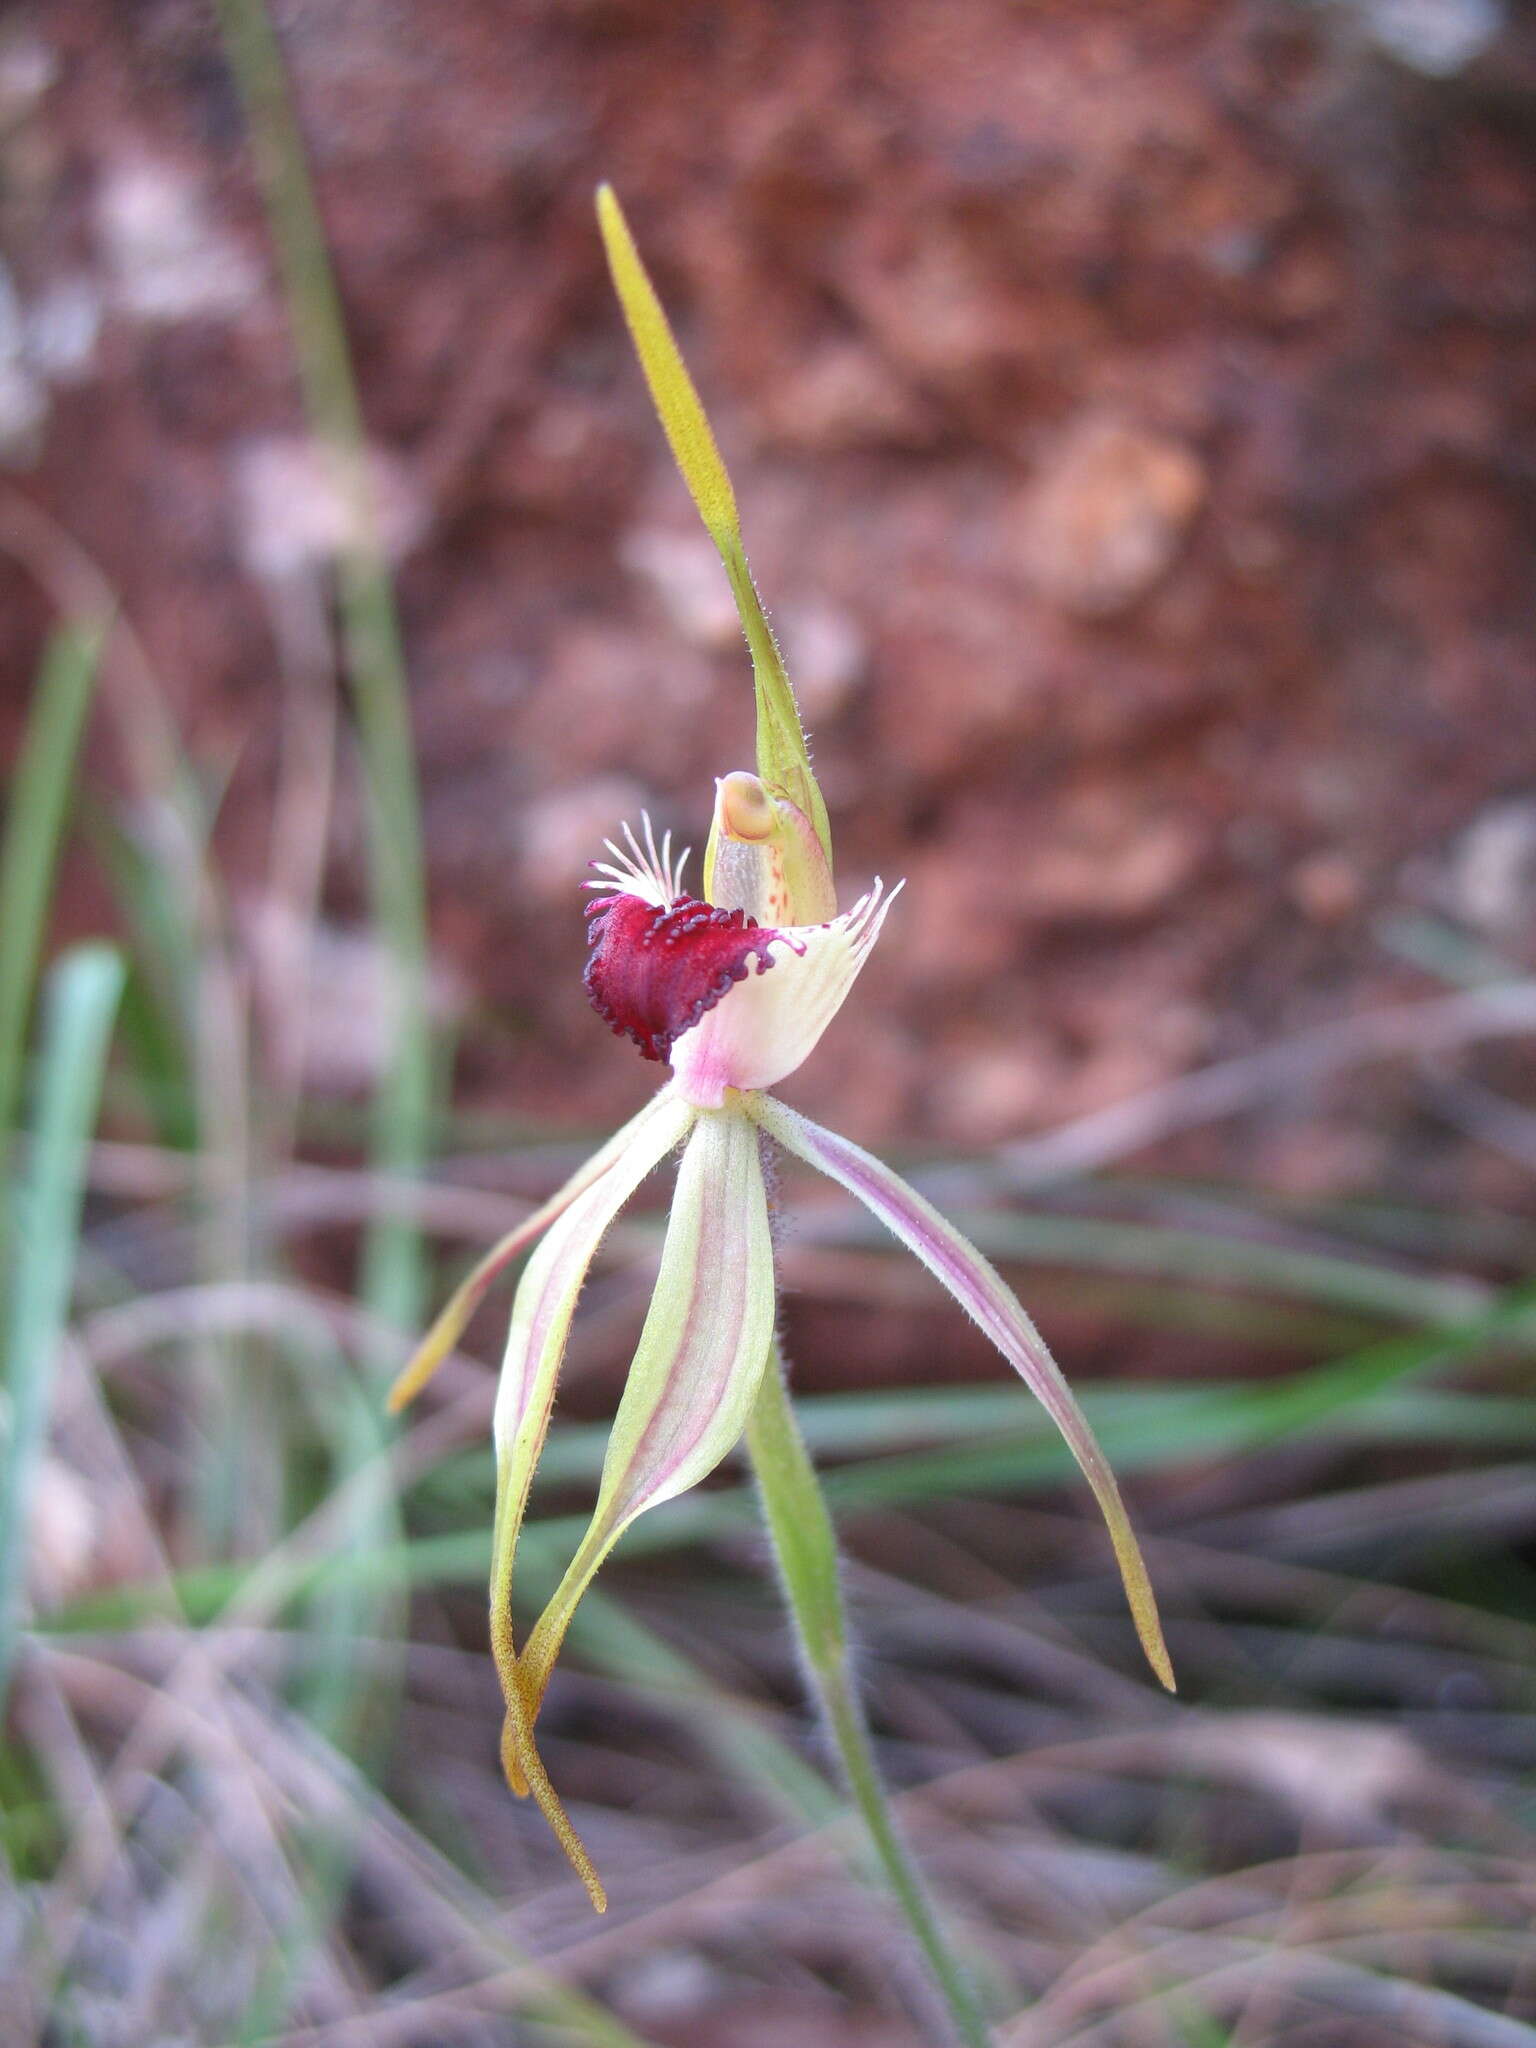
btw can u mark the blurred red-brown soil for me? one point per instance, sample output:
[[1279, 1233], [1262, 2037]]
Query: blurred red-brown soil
[[1131, 412]]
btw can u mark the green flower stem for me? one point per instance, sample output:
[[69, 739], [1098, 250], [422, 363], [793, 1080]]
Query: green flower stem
[[805, 1547]]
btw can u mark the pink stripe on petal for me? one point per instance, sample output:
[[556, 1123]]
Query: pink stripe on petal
[[541, 1320], [547, 1293], [696, 1370], [453, 1318], [985, 1296]]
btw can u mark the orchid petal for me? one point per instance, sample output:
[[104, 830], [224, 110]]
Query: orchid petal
[[985, 1296], [763, 1026], [783, 759], [699, 1363], [541, 1321], [467, 1296]]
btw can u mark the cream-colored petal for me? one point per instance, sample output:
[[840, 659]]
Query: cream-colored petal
[[765, 1026], [696, 1372], [541, 1321], [467, 1296]]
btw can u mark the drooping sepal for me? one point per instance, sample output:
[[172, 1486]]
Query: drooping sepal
[[986, 1297], [541, 1321], [467, 1296], [700, 1360]]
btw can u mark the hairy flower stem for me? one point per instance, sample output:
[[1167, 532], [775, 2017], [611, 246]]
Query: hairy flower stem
[[805, 1547]]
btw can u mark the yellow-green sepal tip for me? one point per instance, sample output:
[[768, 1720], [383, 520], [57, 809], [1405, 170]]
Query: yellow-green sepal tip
[[783, 759]]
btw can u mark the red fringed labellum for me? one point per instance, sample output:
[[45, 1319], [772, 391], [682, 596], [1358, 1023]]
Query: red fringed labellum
[[653, 973]]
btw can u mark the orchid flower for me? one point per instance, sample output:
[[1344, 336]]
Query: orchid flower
[[732, 988]]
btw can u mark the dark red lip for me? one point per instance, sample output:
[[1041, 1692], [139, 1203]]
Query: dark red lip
[[653, 973]]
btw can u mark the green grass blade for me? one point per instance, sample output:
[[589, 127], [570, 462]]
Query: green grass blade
[[393, 1268], [34, 823], [1202, 1257], [613, 1640], [990, 1441], [81, 1002], [160, 1001]]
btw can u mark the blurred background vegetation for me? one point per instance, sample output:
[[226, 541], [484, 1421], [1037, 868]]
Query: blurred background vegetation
[[1132, 415]]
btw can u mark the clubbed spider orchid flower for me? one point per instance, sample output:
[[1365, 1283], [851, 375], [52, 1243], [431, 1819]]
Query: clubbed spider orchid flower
[[733, 989]]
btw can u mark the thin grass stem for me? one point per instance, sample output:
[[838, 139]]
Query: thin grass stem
[[81, 1003], [393, 1277], [39, 800]]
